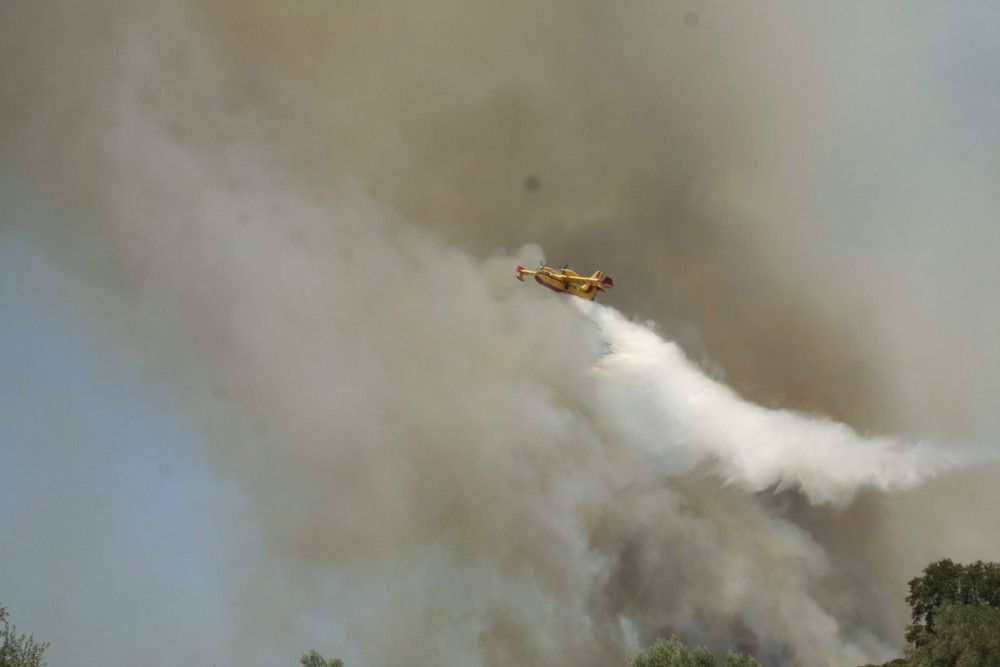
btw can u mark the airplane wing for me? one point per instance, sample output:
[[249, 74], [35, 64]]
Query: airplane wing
[[589, 280]]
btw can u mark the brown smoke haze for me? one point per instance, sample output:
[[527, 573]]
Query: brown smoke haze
[[302, 219]]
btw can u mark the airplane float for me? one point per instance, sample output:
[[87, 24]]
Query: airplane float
[[568, 281]]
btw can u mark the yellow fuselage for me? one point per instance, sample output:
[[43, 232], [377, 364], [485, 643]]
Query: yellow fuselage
[[559, 284], [568, 281]]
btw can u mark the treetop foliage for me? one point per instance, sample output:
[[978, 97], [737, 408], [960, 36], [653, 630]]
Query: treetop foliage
[[735, 659], [945, 582], [672, 653], [18, 650], [313, 659], [965, 635]]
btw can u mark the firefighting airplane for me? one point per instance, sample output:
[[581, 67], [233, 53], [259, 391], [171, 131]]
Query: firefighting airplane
[[568, 281]]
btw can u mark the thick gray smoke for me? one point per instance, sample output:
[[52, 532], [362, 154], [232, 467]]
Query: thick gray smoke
[[304, 221]]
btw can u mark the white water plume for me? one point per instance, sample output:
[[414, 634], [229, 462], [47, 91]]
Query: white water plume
[[649, 393]]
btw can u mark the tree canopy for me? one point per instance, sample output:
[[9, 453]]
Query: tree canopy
[[18, 650], [955, 616], [945, 582], [672, 653], [312, 658], [965, 635]]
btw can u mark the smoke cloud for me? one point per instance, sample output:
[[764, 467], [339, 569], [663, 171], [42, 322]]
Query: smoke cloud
[[303, 222]]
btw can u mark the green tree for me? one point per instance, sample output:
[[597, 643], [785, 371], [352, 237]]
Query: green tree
[[18, 650], [672, 653], [313, 659], [965, 635], [945, 582], [735, 659], [955, 616]]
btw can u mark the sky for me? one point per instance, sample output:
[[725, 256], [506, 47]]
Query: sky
[[114, 522], [267, 383]]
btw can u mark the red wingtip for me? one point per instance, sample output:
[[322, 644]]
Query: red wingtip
[[607, 281]]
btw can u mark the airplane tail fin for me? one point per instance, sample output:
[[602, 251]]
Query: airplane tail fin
[[604, 281]]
